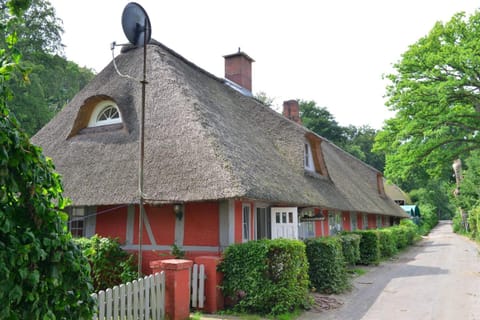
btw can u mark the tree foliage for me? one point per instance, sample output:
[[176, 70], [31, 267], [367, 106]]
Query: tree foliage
[[44, 275], [358, 141], [52, 80], [435, 94], [321, 121]]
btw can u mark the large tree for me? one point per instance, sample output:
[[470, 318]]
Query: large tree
[[435, 94], [51, 80], [321, 121]]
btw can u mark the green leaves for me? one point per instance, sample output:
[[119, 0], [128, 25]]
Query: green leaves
[[266, 276], [44, 275], [435, 93]]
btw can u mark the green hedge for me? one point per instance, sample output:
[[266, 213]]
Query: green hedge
[[369, 247], [388, 242], [327, 264], [350, 248], [110, 264], [266, 276]]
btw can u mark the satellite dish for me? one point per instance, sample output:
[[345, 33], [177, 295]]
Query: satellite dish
[[136, 24]]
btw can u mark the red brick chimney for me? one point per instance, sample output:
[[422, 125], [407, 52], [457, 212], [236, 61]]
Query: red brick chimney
[[238, 68], [291, 110]]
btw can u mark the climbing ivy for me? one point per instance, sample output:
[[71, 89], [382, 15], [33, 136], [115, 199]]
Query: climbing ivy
[[43, 273]]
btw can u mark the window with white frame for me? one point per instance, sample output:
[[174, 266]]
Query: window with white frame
[[76, 221], [308, 158], [245, 222], [365, 221], [353, 221], [379, 221], [105, 113]]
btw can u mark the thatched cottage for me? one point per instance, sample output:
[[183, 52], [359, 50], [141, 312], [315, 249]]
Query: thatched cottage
[[219, 166]]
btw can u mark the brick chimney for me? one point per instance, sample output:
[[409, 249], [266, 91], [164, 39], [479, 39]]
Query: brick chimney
[[238, 68], [291, 110]]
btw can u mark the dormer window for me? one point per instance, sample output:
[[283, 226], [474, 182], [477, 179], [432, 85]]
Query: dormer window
[[313, 160], [308, 158], [105, 113]]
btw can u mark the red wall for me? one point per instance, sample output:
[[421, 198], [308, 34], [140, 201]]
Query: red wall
[[372, 221], [346, 221], [201, 224], [111, 222], [162, 222]]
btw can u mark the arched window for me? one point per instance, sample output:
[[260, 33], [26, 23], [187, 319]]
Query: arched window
[[105, 113]]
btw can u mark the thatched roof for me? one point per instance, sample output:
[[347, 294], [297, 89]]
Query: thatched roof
[[203, 141]]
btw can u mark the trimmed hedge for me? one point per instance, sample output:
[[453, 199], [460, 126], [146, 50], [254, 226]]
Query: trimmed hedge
[[350, 248], [327, 265], [266, 276], [388, 242], [369, 247]]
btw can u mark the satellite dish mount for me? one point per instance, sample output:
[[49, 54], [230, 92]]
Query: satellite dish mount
[[137, 29]]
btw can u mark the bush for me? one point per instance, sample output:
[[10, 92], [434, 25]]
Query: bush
[[110, 264], [400, 236], [388, 242], [266, 276], [410, 229], [327, 265], [350, 248], [369, 247]]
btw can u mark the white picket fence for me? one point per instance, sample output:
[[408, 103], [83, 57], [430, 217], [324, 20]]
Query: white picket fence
[[197, 281], [142, 299]]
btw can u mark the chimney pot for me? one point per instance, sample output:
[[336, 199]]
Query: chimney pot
[[238, 68]]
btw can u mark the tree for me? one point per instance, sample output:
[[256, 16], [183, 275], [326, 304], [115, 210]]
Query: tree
[[363, 138], [44, 275], [52, 80], [321, 121], [435, 93]]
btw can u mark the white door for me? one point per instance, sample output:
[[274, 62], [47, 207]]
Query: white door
[[285, 223]]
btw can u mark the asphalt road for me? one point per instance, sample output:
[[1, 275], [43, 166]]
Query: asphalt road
[[438, 278]]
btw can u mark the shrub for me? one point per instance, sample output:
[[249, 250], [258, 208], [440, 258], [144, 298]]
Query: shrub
[[350, 248], [327, 264], [110, 264], [369, 247], [266, 276], [410, 229], [400, 236], [388, 242]]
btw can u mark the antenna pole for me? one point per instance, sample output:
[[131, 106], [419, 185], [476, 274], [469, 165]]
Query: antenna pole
[[142, 147]]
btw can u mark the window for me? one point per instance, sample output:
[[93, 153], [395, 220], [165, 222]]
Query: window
[[379, 221], [245, 222], [334, 223], [365, 221], [308, 158], [105, 113], [76, 222], [264, 225], [353, 221]]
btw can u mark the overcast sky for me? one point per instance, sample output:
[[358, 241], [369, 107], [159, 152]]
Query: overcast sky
[[333, 52]]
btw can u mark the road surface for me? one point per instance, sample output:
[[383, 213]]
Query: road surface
[[438, 278]]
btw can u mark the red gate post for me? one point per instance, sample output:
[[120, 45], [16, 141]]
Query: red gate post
[[214, 296], [177, 286]]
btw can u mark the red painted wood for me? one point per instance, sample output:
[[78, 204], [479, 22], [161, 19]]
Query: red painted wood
[[201, 224]]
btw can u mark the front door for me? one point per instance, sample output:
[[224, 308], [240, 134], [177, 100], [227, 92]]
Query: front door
[[284, 223]]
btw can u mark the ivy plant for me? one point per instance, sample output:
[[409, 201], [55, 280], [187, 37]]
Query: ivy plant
[[44, 274]]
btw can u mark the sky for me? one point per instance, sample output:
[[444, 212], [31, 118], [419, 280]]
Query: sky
[[332, 52]]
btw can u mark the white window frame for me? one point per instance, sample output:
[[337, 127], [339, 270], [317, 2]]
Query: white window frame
[[365, 221], [308, 157], [97, 111], [246, 223], [379, 221], [353, 221]]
